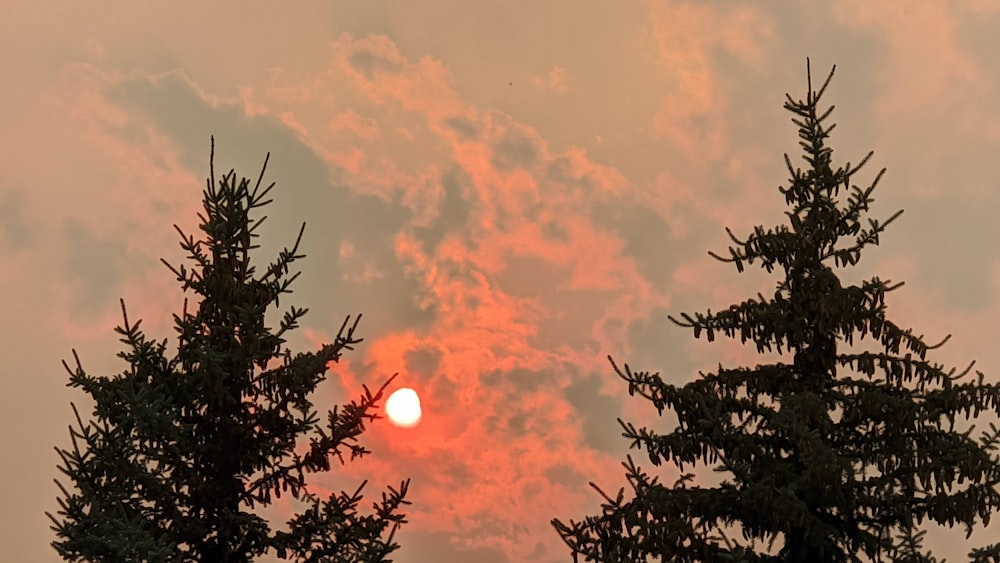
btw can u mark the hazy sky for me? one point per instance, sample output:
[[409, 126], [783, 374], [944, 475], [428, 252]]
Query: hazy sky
[[509, 191]]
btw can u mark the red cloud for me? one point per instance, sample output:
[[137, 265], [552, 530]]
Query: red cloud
[[498, 438]]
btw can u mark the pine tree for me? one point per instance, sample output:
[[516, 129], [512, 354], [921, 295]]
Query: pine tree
[[180, 451], [838, 456]]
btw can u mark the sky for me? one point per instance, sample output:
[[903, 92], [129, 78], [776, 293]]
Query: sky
[[508, 191]]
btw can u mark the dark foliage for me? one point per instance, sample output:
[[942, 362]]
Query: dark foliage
[[839, 456], [179, 451]]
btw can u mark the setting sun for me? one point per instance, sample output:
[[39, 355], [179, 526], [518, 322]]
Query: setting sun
[[403, 408]]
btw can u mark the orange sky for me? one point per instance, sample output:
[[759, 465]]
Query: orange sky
[[509, 191]]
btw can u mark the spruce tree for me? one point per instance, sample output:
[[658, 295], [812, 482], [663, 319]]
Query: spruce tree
[[180, 451], [841, 454]]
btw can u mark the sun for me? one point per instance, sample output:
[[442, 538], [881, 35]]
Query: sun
[[403, 407]]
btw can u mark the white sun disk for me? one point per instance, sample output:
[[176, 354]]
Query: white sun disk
[[403, 407]]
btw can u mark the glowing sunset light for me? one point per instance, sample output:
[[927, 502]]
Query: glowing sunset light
[[508, 202], [403, 408]]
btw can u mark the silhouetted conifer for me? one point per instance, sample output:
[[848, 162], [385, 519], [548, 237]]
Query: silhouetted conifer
[[180, 451], [838, 456]]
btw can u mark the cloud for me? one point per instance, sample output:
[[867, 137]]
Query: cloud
[[482, 273], [932, 86], [495, 236], [500, 240], [555, 81], [694, 115], [12, 225]]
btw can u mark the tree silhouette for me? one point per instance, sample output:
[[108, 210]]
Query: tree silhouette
[[838, 456], [181, 450]]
